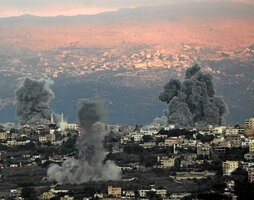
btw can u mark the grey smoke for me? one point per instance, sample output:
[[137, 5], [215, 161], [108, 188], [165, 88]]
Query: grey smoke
[[160, 121], [32, 101], [91, 164], [193, 102]]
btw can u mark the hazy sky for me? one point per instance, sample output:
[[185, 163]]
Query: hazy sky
[[76, 7]]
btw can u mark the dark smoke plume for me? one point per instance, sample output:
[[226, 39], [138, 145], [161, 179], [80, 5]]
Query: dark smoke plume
[[32, 101], [91, 164], [193, 101]]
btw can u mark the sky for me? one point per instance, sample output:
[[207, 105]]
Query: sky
[[10, 8]]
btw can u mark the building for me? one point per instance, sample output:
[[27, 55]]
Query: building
[[249, 156], [231, 131], [4, 135], [67, 197], [251, 176], [166, 162], [137, 137], [98, 195], [47, 196], [147, 131], [148, 145], [219, 130], [203, 150], [55, 191], [229, 166], [63, 125], [249, 123], [114, 191], [162, 192], [171, 141], [234, 140], [129, 193], [251, 145], [192, 175], [142, 193], [15, 193], [47, 138]]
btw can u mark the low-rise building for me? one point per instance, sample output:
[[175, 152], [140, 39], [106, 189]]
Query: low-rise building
[[251, 145], [192, 175], [129, 193], [203, 149], [171, 141], [47, 138], [234, 140], [15, 193], [166, 162], [249, 123], [47, 196], [219, 130], [231, 131], [251, 176], [67, 197], [114, 191], [229, 166], [4, 135], [137, 137], [148, 145], [142, 193]]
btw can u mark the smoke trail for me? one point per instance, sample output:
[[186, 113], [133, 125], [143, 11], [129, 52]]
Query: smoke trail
[[193, 101], [32, 101], [90, 166]]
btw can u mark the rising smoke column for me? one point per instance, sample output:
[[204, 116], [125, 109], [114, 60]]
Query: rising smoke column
[[90, 165], [193, 101], [32, 101]]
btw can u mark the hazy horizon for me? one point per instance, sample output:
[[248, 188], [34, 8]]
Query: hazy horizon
[[10, 8]]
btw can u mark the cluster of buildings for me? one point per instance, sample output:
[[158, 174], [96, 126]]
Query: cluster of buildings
[[112, 193], [191, 151], [76, 61]]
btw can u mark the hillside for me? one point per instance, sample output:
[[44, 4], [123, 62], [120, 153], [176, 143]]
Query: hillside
[[127, 56]]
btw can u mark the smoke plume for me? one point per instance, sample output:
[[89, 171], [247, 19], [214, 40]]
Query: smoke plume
[[193, 101], [91, 164], [32, 101]]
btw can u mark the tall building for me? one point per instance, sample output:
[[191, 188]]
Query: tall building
[[249, 123]]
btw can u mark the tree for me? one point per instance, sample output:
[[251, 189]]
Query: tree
[[153, 195], [133, 149], [205, 138], [28, 193], [147, 138], [213, 196], [148, 160]]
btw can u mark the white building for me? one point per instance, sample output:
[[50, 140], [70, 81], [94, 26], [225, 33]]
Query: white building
[[249, 123], [229, 166], [219, 130], [63, 125]]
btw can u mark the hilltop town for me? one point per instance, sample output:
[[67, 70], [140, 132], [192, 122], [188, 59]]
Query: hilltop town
[[76, 61], [166, 163]]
